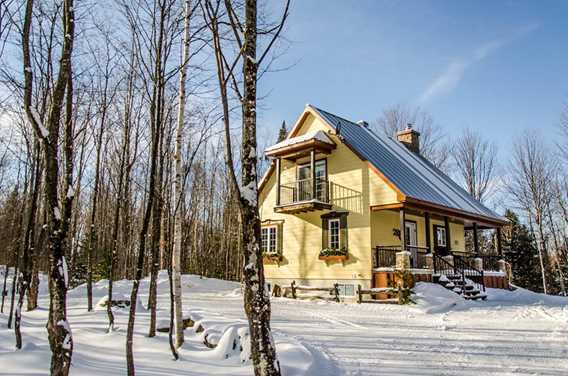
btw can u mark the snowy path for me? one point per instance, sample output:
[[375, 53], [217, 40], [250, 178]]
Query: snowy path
[[481, 338], [511, 334]]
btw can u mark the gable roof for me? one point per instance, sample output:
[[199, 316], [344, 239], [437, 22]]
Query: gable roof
[[410, 174]]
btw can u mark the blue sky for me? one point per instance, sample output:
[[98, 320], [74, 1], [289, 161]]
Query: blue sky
[[499, 67]]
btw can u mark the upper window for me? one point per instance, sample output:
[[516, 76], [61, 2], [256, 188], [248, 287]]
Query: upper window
[[269, 239], [334, 233]]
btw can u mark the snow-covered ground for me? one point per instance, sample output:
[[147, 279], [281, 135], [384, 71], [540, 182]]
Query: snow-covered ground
[[512, 333]]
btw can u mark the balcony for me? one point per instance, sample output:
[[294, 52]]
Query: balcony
[[303, 196]]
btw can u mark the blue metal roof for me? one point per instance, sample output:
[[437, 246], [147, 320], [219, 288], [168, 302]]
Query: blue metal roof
[[411, 173]]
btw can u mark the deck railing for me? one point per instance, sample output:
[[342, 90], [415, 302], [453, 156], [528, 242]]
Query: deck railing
[[385, 256], [302, 190], [489, 262], [462, 268]]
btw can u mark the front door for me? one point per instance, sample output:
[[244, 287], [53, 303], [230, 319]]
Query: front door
[[410, 234], [411, 241]]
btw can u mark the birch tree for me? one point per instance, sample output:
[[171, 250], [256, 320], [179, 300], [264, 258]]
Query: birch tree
[[531, 176], [179, 189]]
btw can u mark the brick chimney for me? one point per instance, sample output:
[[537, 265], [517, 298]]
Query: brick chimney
[[410, 138]]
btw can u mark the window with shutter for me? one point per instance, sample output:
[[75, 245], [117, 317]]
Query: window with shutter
[[334, 231]]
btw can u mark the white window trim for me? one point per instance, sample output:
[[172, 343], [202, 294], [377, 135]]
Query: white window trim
[[441, 239], [268, 247], [330, 233]]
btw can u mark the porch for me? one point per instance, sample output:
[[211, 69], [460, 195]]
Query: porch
[[435, 241], [422, 229]]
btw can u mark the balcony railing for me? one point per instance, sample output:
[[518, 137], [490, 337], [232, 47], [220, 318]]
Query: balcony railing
[[385, 256], [303, 190]]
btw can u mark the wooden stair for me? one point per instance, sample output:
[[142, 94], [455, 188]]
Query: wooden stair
[[456, 283]]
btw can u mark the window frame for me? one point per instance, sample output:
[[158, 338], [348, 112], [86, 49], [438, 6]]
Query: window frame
[[342, 289], [269, 248], [440, 240], [331, 234]]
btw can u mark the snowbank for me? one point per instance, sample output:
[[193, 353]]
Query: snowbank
[[433, 298]]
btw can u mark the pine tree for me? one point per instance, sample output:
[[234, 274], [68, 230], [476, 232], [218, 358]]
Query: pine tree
[[283, 132], [521, 253]]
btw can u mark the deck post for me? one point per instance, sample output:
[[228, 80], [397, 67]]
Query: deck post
[[313, 172], [278, 174], [448, 238], [402, 229], [427, 228], [499, 246], [475, 240]]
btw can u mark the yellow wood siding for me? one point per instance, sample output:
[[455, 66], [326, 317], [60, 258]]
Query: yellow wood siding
[[383, 222], [354, 187], [302, 240]]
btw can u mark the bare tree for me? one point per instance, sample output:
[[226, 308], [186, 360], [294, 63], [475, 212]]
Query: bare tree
[[59, 332], [532, 172], [563, 144], [475, 160], [178, 189], [433, 145], [245, 33]]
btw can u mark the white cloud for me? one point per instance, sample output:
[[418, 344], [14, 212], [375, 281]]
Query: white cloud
[[450, 78]]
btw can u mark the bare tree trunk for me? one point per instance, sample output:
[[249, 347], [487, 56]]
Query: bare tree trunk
[[257, 302], [155, 235], [172, 309], [156, 128], [27, 244], [33, 282], [4, 290], [59, 332], [179, 188], [116, 221]]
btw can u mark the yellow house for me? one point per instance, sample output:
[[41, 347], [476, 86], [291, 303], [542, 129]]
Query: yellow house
[[337, 195]]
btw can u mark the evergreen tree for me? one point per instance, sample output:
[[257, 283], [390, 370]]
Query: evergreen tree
[[521, 253], [283, 132]]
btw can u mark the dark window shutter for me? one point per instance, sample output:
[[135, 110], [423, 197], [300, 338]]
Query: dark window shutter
[[324, 233], [279, 237], [343, 237]]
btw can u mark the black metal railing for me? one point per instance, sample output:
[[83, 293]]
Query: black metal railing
[[302, 190], [385, 256], [489, 262], [461, 269]]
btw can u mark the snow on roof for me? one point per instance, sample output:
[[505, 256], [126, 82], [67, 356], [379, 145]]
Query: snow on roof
[[314, 135]]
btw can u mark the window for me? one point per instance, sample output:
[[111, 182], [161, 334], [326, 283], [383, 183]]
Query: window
[[346, 290], [334, 233], [441, 236], [268, 239], [305, 184]]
